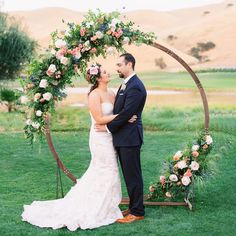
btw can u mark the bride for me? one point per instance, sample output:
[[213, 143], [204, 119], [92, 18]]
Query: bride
[[94, 200]]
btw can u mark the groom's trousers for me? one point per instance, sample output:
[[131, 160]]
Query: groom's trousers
[[131, 167]]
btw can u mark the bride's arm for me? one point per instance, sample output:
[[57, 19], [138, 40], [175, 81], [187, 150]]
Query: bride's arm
[[94, 102]]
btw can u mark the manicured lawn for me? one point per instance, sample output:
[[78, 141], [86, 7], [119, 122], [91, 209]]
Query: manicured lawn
[[29, 174]]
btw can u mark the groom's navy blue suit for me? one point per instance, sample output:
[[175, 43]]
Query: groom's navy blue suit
[[128, 138]]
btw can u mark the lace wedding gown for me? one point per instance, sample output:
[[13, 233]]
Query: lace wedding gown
[[93, 201]]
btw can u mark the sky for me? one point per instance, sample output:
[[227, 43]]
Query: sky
[[104, 5]]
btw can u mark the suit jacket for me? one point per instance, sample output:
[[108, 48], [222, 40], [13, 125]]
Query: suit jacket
[[128, 102]]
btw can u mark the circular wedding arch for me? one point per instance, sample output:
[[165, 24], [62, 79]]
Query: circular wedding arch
[[188, 69], [99, 34]]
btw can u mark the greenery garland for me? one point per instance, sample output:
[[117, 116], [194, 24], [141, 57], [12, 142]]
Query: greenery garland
[[68, 55]]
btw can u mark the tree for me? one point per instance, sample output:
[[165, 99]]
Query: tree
[[16, 48]]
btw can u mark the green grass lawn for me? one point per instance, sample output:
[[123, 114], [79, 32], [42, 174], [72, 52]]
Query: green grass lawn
[[28, 174]]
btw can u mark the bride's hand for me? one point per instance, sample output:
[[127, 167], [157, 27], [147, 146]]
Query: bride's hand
[[132, 119]]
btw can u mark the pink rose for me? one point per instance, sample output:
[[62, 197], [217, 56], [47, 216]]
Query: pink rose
[[162, 179], [93, 70], [151, 189], [82, 32], [93, 50]]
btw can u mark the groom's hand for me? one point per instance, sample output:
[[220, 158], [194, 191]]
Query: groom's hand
[[100, 128]]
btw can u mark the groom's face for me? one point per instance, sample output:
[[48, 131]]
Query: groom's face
[[122, 67]]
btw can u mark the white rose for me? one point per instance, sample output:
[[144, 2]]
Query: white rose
[[99, 34], [110, 50], [173, 178], [195, 147], [24, 99], [52, 68], [194, 165], [37, 96], [53, 51], [39, 113], [178, 154], [114, 22], [36, 125], [126, 40], [60, 43], [185, 180], [64, 60], [43, 83], [77, 55], [209, 140], [28, 122], [182, 165], [47, 96], [88, 24]]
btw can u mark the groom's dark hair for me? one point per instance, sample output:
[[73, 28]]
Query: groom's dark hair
[[129, 58]]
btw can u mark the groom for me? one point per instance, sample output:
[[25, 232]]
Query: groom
[[128, 137]]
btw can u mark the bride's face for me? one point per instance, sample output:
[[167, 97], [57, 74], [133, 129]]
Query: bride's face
[[105, 75]]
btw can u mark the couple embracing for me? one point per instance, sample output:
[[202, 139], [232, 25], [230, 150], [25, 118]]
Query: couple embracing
[[116, 133]]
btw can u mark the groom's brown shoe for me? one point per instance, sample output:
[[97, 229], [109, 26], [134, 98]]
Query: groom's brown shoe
[[129, 219], [126, 212]]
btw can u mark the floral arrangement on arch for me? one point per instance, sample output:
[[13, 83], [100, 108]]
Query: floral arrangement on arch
[[182, 170], [68, 55]]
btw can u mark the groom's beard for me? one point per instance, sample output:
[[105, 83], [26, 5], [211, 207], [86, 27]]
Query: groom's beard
[[121, 75]]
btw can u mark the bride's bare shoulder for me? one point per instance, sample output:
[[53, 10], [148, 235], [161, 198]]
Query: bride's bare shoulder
[[94, 95]]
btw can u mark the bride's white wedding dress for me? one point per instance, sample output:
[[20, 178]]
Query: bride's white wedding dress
[[93, 201]]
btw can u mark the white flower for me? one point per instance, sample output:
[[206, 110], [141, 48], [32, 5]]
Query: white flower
[[177, 155], [185, 180], [209, 139], [181, 165], [195, 147], [39, 113], [168, 194], [110, 50], [60, 43], [88, 24], [37, 96], [28, 122], [114, 22], [87, 45], [47, 96], [173, 178], [36, 125], [64, 60], [43, 83], [52, 68], [77, 55], [126, 40], [67, 32], [53, 51], [194, 165], [99, 34], [24, 99]]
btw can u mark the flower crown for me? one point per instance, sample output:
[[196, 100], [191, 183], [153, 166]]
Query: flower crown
[[93, 71]]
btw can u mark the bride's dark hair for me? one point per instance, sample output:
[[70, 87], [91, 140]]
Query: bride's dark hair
[[92, 74]]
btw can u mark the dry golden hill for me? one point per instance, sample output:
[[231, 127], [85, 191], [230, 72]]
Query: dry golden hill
[[214, 23]]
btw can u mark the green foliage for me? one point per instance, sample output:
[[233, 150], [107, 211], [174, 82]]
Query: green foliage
[[200, 48], [98, 35], [16, 48], [9, 97]]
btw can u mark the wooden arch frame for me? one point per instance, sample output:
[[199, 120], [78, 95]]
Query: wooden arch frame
[[204, 101]]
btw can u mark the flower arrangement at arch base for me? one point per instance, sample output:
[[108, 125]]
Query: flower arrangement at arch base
[[180, 172]]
